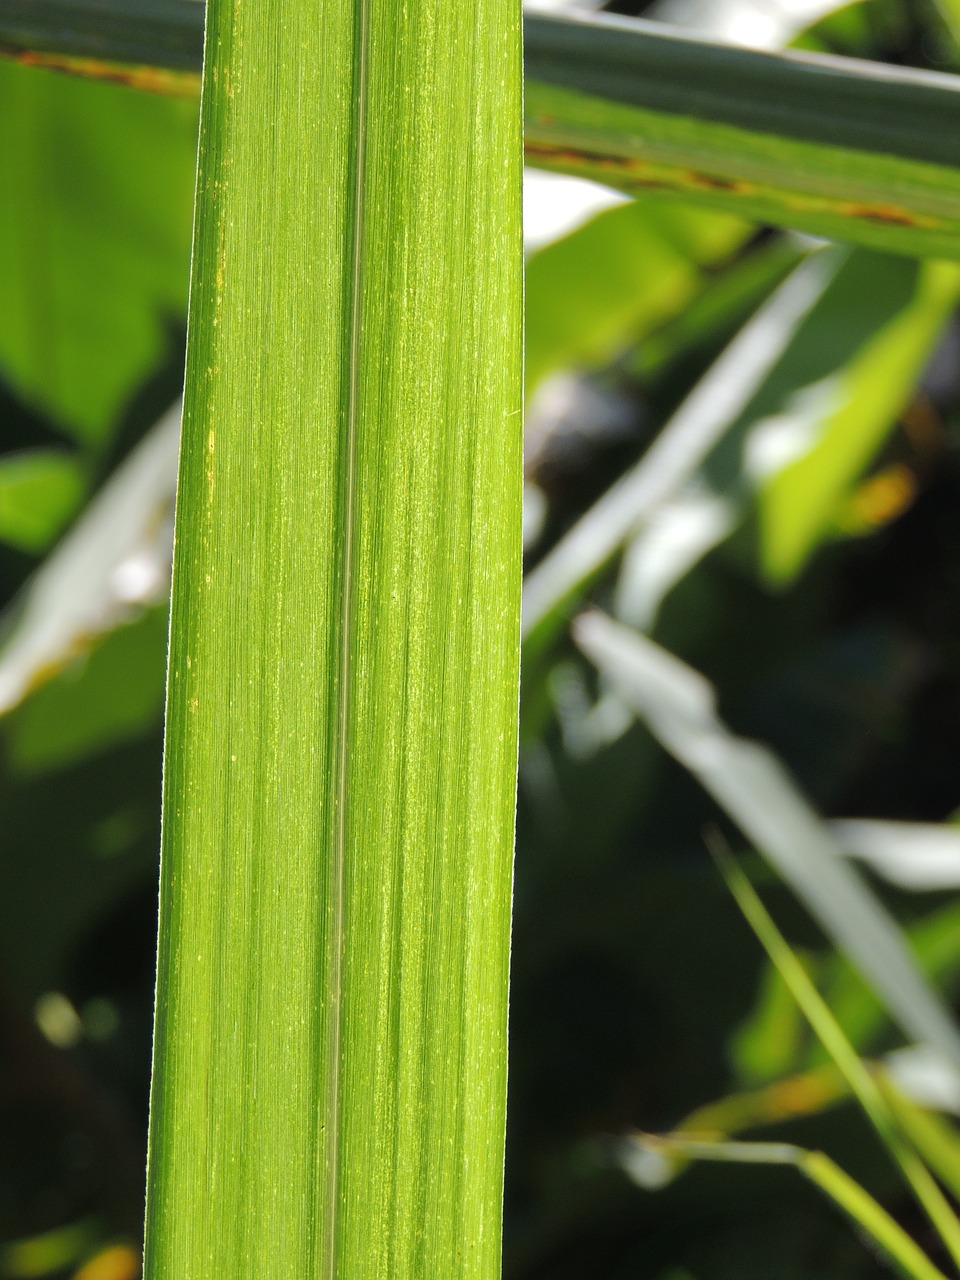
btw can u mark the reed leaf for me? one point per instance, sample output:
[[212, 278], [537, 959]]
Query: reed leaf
[[329, 1077]]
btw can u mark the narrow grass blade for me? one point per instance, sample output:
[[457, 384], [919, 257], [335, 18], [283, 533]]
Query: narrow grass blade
[[678, 705], [823, 1172], [920, 1073], [861, 1011], [831, 1036], [935, 1139], [329, 1077], [798, 1095]]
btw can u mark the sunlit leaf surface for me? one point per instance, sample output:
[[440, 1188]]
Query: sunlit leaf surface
[[340, 761]]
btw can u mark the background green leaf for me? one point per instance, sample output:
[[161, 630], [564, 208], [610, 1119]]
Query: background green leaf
[[94, 227], [615, 280], [39, 491]]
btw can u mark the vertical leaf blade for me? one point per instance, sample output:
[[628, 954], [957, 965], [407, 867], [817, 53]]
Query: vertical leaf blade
[[329, 1080]]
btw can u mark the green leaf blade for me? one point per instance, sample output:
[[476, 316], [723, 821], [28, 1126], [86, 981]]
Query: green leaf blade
[[330, 1067], [798, 502], [94, 243]]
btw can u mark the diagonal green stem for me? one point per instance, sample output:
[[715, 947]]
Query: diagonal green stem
[[862, 1084], [865, 1212]]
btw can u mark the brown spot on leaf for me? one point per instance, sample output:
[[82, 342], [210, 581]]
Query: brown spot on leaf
[[887, 214], [176, 84], [712, 181]]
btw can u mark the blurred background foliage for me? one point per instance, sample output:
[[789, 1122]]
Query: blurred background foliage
[[743, 444]]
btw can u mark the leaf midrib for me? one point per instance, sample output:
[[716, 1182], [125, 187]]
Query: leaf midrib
[[342, 782]]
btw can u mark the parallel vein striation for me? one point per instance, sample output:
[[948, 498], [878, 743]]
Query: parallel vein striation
[[329, 1083]]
